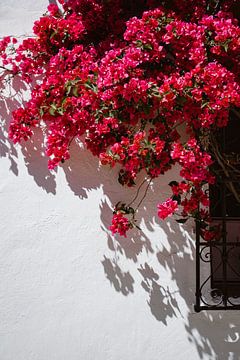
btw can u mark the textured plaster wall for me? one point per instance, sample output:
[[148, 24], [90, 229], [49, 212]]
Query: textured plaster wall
[[68, 290]]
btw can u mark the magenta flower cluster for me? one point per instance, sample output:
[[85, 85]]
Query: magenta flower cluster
[[125, 76]]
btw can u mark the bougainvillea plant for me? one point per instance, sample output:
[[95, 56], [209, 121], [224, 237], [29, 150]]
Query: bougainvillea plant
[[125, 76]]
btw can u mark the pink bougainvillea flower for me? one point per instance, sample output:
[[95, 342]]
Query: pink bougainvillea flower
[[125, 79], [120, 224], [167, 208]]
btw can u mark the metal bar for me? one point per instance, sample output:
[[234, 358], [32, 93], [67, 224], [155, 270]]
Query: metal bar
[[212, 307], [197, 306], [224, 252]]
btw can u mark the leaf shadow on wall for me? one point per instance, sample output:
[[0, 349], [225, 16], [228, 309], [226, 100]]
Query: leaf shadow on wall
[[32, 150], [84, 175], [10, 99], [36, 162], [216, 335], [120, 280], [162, 297], [139, 260]]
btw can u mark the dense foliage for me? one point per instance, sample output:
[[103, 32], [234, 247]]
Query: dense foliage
[[124, 76]]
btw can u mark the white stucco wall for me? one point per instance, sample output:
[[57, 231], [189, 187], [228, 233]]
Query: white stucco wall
[[68, 290]]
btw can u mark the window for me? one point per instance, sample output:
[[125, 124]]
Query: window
[[218, 261]]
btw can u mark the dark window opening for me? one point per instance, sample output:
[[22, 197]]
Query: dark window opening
[[222, 255]]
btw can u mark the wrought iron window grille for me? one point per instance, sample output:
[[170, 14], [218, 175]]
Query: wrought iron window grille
[[218, 261]]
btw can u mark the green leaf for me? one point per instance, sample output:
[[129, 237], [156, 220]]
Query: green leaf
[[75, 91], [177, 198], [41, 111], [225, 46], [69, 88], [204, 104], [181, 100], [91, 86], [181, 221], [147, 47], [53, 105], [60, 111], [120, 179], [53, 34], [130, 210], [138, 43], [173, 183], [52, 111]]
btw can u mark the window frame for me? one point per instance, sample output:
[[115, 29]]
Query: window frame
[[214, 291]]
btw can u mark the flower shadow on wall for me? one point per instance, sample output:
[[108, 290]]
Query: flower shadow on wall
[[147, 259], [32, 150], [165, 270], [83, 175]]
